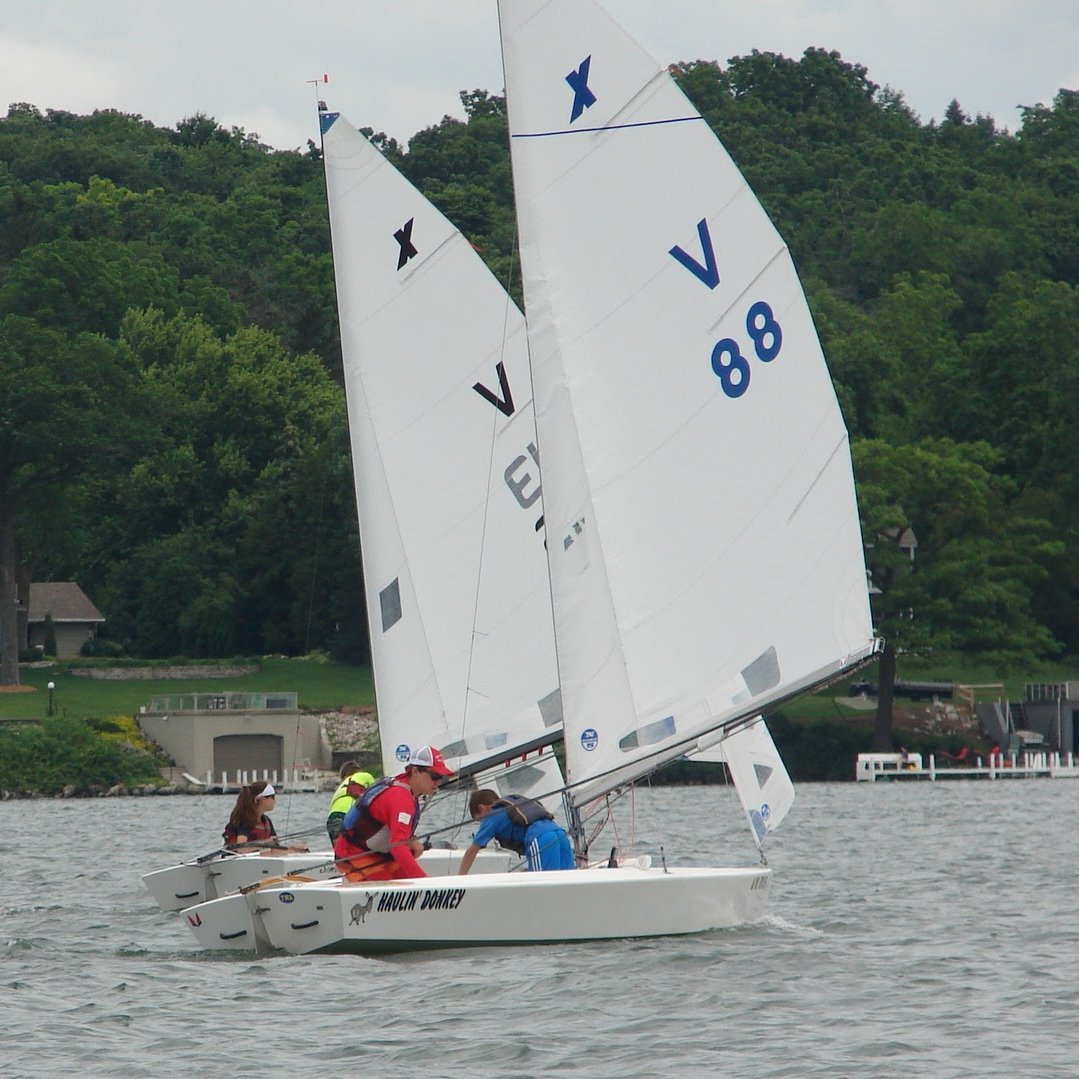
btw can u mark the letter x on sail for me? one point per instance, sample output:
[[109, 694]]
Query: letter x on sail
[[583, 98], [404, 237]]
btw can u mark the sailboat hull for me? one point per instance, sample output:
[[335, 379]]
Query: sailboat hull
[[233, 922], [512, 909], [184, 885]]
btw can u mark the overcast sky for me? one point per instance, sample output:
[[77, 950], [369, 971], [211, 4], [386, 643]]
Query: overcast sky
[[397, 65]]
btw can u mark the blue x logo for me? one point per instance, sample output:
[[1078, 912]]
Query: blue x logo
[[583, 98]]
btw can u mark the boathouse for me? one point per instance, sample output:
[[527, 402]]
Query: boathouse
[[228, 733]]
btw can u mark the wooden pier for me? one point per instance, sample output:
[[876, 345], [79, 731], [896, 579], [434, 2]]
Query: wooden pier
[[292, 780], [871, 767]]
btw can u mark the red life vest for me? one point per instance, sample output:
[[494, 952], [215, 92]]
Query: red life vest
[[362, 830]]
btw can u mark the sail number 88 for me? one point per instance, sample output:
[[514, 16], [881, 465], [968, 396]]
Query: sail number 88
[[731, 367]]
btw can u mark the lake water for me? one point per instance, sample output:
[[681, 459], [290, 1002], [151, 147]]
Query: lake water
[[916, 929]]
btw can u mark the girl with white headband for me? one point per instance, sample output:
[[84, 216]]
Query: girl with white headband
[[249, 823]]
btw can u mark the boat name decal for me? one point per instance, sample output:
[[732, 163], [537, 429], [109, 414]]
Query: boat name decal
[[428, 899], [403, 236], [286, 897], [583, 98]]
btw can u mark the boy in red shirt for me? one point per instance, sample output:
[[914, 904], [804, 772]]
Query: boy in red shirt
[[377, 836]]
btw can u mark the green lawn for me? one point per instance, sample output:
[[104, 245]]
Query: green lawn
[[321, 687], [329, 686]]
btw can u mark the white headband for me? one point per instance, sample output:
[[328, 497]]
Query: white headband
[[269, 792]]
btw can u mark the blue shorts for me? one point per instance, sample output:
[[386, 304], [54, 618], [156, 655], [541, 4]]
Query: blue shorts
[[548, 847]]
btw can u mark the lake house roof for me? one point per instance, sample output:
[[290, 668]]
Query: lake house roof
[[64, 600]]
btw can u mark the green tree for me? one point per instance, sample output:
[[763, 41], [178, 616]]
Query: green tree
[[969, 586], [234, 531], [86, 286], [67, 407]]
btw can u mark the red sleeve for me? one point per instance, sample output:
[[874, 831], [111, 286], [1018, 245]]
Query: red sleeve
[[396, 808]]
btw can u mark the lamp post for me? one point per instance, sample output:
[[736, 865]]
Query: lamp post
[[51, 687]]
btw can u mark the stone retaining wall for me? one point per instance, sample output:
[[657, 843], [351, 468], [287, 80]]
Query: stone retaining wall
[[147, 674]]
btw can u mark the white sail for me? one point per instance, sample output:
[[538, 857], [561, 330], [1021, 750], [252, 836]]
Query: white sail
[[761, 779], [447, 475], [703, 537]]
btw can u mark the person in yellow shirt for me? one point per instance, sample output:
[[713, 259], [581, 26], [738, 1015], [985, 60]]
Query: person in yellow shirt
[[353, 784]]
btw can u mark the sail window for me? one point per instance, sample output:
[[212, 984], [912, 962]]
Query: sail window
[[649, 734], [390, 600], [521, 781], [762, 673], [551, 708]]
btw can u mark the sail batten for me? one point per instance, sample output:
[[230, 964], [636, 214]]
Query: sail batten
[[606, 127]]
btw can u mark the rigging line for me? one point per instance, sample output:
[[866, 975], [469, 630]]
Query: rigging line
[[479, 584]]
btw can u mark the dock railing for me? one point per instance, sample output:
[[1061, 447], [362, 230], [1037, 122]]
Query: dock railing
[[870, 767]]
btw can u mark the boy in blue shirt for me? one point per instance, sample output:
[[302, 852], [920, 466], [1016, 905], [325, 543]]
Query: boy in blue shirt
[[519, 824]]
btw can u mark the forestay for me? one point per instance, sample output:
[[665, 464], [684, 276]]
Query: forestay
[[446, 467], [703, 536]]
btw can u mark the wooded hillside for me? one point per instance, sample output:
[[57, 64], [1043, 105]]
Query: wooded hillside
[[172, 427]]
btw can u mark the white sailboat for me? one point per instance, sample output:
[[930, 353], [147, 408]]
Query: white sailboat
[[448, 493], [222, 871], [703, 539]]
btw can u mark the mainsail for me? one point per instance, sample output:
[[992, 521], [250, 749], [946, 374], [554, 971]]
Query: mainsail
[[447, 475], [703, 536]]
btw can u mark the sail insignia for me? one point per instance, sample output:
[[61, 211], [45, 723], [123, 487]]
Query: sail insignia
[[583, 98], [403, 236], [504, 404], [709, 272]]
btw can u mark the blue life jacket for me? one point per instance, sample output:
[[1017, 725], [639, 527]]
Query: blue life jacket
[[520, 812]]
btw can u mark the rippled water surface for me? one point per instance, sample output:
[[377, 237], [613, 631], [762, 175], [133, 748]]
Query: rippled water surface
[[915, 930]]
